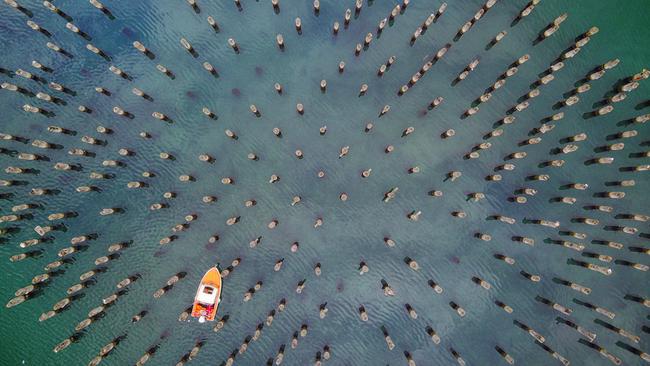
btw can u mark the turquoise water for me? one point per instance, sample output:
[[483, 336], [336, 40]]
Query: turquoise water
[[444, 246]]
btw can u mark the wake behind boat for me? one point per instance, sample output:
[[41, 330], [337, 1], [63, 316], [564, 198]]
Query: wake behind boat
[[206, 301]]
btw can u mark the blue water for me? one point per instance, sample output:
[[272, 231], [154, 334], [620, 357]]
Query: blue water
[[444, 246]]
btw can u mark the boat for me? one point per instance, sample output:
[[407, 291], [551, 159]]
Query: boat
[[206, 301]]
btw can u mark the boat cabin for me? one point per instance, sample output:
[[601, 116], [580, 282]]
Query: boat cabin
[[207, 295]]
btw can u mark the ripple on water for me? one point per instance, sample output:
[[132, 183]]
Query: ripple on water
[[353, 231]]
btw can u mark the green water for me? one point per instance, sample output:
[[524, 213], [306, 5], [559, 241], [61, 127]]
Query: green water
[[444, 246]]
